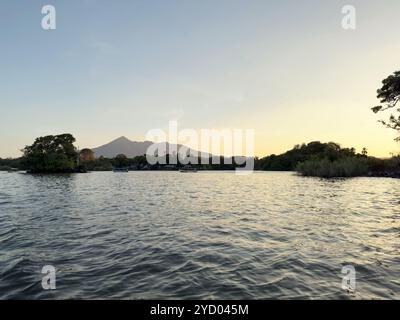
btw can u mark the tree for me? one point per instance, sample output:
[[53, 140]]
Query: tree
[[364, 152], [389, 95], [51, 154], [86, 155], [121, 161], [313, 151]]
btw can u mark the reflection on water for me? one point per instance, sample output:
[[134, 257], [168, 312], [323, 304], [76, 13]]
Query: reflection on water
[[217, 235]]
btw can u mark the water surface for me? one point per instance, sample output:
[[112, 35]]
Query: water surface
[[208, 235]]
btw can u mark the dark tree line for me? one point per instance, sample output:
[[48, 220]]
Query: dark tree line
[[54, 154], [289, 160]]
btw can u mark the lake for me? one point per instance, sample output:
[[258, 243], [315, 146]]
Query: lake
[[206, 235]]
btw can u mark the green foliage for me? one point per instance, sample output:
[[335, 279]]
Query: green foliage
[[121, 161], [301, 153], [389, 95], [325, 168], [100, 164], [140, 163], [10, 164], [51, 154], [86, 155]]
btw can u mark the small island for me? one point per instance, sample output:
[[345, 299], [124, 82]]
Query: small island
[[51, 154]]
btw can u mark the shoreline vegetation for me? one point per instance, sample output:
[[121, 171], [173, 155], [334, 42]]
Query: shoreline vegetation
[[57, 154]]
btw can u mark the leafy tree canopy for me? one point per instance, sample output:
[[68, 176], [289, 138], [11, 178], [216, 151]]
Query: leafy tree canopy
[[389, 95], [51, 154], [314, 150], [86, 155], [121, 161]]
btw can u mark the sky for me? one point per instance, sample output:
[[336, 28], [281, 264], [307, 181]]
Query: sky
[[286, 69]]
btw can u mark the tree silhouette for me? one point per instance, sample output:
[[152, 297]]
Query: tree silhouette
[[389, 95], [51, 154], [86, 155], [121, 161]]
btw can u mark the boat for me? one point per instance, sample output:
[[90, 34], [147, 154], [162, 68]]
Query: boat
[[120, 170], [188, 168]]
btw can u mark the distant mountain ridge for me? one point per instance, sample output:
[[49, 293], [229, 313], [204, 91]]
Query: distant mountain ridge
[[123, 145]]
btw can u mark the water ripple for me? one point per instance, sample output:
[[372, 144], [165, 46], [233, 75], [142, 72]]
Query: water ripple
[[211, 235]]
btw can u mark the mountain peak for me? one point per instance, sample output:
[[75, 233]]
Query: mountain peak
[[122, 145], [122, 138]]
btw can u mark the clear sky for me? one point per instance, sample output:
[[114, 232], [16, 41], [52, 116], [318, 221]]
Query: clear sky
[[286, 69]]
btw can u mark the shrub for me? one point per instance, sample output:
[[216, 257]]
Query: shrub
[[324, 168]]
